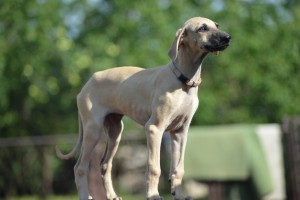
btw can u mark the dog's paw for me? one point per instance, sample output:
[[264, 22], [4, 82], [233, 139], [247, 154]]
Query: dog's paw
[[115, 198], [155, 198], [183, 198]]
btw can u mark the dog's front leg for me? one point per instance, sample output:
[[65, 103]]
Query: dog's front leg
[[178, 141], [154, 136]]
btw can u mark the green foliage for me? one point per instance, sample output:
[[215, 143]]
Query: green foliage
[[48, 49], [255, 79], [33, 68]]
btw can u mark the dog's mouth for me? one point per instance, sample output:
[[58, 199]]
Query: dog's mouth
[[221, 48], [218, 44], [215, 48], [216, 53]]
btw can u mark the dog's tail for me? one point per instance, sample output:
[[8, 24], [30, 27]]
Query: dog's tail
[[76, 147]]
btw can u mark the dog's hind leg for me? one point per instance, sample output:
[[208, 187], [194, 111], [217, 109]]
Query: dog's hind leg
[[92, 130], [96, 187], [114, 126]]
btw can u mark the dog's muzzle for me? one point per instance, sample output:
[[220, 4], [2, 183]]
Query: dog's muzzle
[[225, 41], [218, 42]]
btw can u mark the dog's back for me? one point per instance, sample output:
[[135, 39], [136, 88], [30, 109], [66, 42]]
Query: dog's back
[[124, 90]]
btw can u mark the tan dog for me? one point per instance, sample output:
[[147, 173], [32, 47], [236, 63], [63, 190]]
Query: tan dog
[[160, 99]]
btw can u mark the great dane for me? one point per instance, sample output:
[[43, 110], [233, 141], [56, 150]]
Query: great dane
[[162, 99]]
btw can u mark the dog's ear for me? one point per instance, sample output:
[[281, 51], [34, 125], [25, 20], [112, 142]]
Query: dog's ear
[[176, 43]]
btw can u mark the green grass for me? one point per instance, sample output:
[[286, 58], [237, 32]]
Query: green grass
[[67, 197], [74, 197]]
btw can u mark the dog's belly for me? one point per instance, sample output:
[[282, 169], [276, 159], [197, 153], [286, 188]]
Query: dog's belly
[[140, 105], [177, 123], [135, 110]]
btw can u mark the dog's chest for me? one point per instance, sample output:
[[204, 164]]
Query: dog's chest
[[183, 111]]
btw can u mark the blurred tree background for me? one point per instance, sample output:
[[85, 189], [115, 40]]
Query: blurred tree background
[[48, 50]]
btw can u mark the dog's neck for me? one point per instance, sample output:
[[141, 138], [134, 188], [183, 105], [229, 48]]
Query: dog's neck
[[187, 69]]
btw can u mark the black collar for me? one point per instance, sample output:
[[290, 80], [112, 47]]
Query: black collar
[[181, 77]]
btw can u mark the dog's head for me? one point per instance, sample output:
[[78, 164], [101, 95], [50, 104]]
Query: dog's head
[[199, 35]]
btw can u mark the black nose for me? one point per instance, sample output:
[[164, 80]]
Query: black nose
[[226, 38]]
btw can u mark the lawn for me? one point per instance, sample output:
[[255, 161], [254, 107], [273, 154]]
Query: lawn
[[72, 197]]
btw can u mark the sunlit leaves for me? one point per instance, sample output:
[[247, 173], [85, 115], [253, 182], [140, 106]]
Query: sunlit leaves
[[50, 48]]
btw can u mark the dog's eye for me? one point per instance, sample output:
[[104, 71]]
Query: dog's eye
[[203, 28]]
